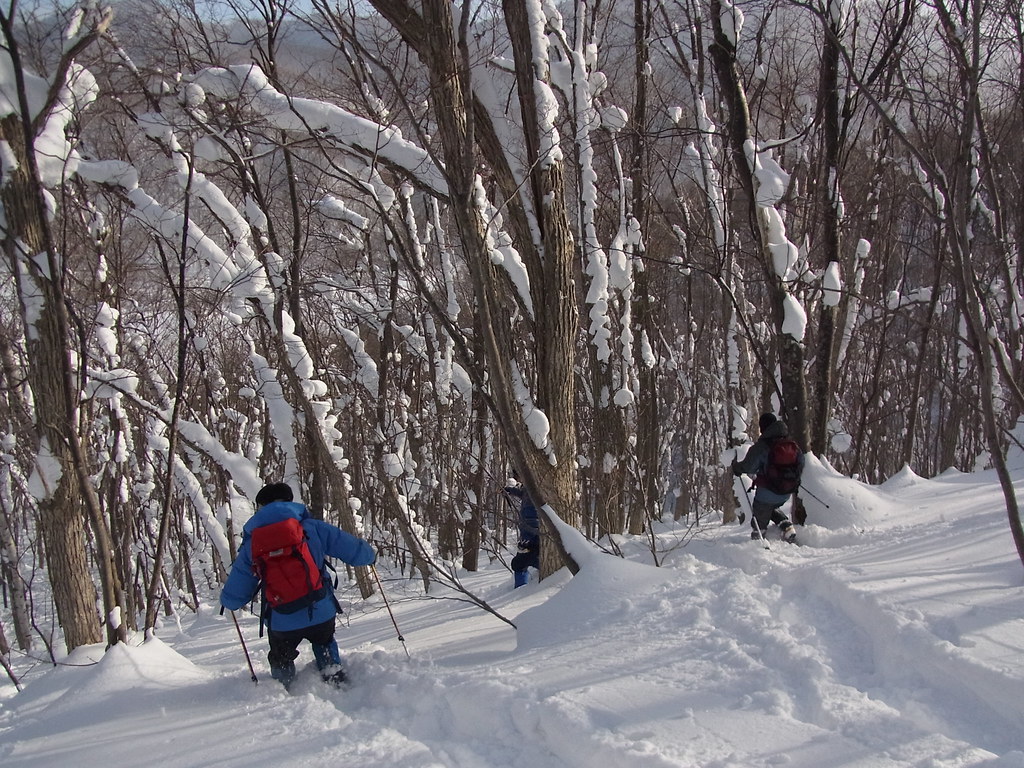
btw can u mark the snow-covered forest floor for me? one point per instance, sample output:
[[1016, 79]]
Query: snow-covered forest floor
[[894, 637]]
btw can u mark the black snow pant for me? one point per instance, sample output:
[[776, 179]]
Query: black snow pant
[[529, 559], [284, 646], [763, 514]]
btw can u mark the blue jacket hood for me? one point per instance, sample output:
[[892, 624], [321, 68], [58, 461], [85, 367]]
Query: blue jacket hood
[[275, 512]]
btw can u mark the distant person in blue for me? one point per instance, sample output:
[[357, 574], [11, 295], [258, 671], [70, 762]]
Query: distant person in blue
[[775, 481], [316, 623], [528, 549]]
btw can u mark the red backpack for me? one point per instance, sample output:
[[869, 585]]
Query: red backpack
[[289, 577], [782, 470]]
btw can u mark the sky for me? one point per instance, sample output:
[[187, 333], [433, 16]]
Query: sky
[[892, 637]]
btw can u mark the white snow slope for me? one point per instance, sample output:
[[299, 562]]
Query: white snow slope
[[892, 638]]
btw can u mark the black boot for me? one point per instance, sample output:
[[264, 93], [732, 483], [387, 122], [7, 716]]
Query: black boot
[[284, 674]]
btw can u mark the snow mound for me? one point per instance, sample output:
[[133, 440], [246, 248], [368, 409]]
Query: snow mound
[[152, 666], [905, 478], [608, 591], [835, 501]]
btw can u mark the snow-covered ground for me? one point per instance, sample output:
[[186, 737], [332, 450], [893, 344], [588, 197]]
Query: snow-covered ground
[[894, 637]]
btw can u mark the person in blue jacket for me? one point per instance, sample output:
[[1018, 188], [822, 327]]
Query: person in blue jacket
[[286, 630], [528, 549], [765, 507]]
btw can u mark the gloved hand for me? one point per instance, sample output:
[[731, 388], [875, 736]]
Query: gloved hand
[[736, 469], [523, 546]]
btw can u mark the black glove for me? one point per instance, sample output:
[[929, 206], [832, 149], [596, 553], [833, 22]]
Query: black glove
[[736, 469]]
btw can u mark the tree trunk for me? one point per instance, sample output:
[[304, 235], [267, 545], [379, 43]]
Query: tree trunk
[[17, 589], [550, 279], [645, 506], [829, 202], [67, 489], [555, 300], [790, 350], [474, 525], [975, 306], [61, 513]]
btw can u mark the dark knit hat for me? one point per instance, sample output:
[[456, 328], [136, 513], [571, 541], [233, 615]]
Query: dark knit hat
[[766, 420], [273, 492]]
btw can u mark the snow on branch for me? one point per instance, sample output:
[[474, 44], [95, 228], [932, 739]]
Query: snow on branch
[[168, 224], [538, 13], [55, 157], [732, 22], [770, 183], [535, 420], [502, 252], [249, 84], [366, 368]]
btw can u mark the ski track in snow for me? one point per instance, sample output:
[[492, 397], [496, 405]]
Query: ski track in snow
[[729, 657]]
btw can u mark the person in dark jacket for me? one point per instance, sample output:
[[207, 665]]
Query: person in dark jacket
[[528, 549], [286, 630], [765, 506]]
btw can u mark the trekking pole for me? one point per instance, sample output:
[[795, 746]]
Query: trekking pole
[[387, 605], [753, 517], [241, 639], [817, 499], [760, 534]]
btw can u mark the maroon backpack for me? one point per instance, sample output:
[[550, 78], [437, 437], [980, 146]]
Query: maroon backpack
[[289, 577], [782, 469]]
